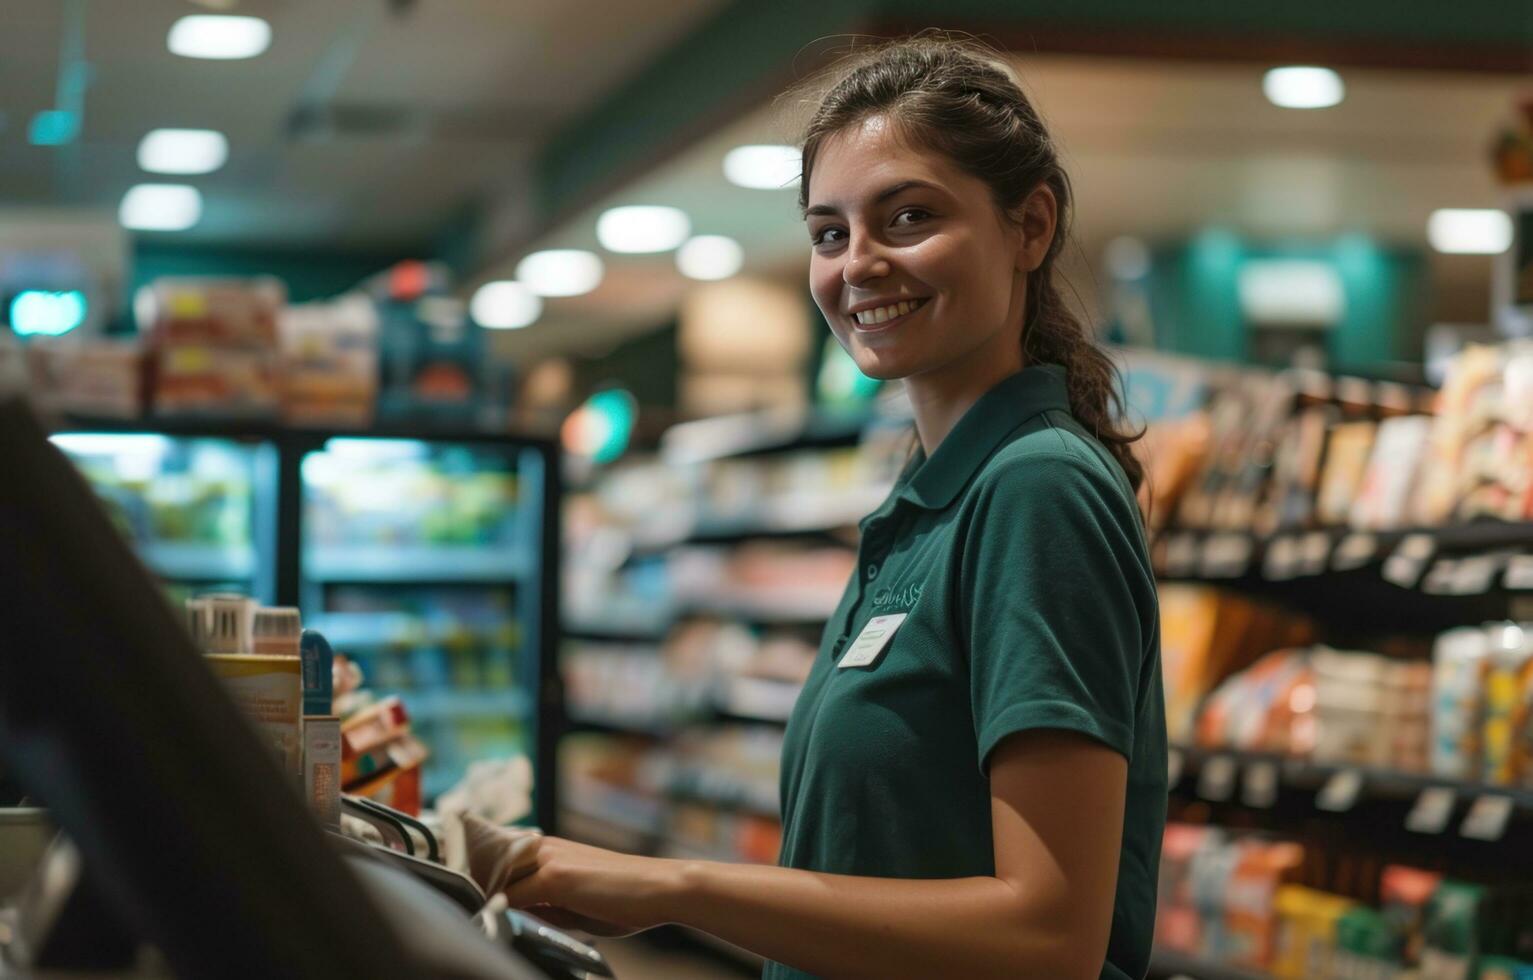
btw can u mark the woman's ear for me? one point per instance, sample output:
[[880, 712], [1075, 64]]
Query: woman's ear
[[1036, 220]]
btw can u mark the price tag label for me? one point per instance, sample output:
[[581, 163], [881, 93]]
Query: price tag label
[[1475, 574], [1174, 766], [1259, 787], [1409, 559], [1314, 551], [1217, 780], [1487, 818], [1181, 555], [1439, 578], [1281, 560], [1354, 551], [1519, 573], [1433, 810], [1226, 555], [1340, 792]]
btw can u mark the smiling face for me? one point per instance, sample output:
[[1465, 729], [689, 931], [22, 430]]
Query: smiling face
[[915, 269]]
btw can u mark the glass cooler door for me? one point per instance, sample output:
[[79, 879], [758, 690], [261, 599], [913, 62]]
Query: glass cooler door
[[419, 562], [200, 511]]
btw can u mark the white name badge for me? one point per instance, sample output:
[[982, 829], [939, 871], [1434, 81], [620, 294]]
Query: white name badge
[[872, 640]]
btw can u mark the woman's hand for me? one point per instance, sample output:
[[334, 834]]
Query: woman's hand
[[598, 891]]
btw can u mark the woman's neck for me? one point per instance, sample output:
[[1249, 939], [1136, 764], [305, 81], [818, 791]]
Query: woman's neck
[[940, 398]]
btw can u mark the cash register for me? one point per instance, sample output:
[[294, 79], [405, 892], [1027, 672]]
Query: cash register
[[179, 835]]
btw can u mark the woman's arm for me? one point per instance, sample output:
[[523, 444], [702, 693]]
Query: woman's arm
[[1057, 803]]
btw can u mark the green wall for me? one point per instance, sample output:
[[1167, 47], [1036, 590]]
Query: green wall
[[1195, 299]]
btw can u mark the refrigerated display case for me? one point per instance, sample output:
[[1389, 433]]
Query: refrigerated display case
[[429, 558], [201, 510], [417, 558]]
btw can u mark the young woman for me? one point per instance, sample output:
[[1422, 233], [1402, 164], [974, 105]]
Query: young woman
[[974, 777]]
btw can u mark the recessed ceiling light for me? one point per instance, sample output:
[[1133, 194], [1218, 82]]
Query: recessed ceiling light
[[763, 166], [642, 228], [1470, 231], [1303, 87], [183, 151], [217, 36], [710, 257], [560, 272], [505, 305], [160, 207]]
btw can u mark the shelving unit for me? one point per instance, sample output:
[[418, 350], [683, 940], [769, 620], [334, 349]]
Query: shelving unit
[[1422, 580], [416, 564], [667, 823]]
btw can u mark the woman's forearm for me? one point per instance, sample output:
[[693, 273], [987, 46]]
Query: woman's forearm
[[843, 926]]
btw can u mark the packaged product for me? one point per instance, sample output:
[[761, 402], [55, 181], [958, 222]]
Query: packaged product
[[1206, 635], [1267, 707], [329, 362], [214, 345], [1463, 409], [1509, 649], [1251, 915], [1383, 497], [1176, 919], [1346, 458], [1210, 873], [1450, 933], [1350, 703], [269, 692], [1458, 670], [98, 377], [1307, 931], [1295, 476], [1364, 946], [1403, 895]]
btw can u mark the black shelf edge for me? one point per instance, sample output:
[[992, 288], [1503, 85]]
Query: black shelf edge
[[1299, 774], [238, 427], [1165, 963]]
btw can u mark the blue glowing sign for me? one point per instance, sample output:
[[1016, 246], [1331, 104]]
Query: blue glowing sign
[[35, 312]]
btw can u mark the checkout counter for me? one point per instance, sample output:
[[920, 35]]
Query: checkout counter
[[182, 851]]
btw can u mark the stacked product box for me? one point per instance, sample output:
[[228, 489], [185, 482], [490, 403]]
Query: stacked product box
[[1298, 911], [1301, 450], [214, 346], [1466, 713]]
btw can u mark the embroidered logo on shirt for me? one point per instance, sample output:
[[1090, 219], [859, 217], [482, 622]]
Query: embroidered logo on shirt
[[903, 597]]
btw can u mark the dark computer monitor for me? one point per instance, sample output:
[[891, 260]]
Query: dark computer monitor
[[109, 715]]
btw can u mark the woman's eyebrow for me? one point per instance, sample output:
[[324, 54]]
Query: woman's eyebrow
[[879, 198]]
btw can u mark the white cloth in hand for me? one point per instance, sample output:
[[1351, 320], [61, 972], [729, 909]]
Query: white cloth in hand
[[495, 857]]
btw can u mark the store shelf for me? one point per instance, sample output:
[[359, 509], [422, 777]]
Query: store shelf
[[815, 516], [761, 432], [624, 628], [1472, 822], [1167, 963], [383, 629], [651, 727], [426, 564], [436, 706], [195, 562], [1419, 581]]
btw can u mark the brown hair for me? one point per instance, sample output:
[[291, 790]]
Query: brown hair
[[956, 98]]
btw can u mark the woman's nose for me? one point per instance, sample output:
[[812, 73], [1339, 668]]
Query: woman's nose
[[865, 260]]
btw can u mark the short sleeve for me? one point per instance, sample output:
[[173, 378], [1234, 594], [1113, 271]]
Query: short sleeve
[[1058, 599]]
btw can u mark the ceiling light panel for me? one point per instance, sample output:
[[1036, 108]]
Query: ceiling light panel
[[183, 151], [560, 272], [642, 228], [219, 37], [160, 207]]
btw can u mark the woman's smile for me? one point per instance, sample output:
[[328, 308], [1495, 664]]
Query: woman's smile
[[880, 318]]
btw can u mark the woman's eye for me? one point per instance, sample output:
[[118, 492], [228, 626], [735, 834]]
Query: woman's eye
[[827, 236], [910, 216]]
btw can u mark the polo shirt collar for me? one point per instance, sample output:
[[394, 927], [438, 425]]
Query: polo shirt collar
[[933, 483]]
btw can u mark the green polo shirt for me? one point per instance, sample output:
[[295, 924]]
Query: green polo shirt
[[1017, 556]]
